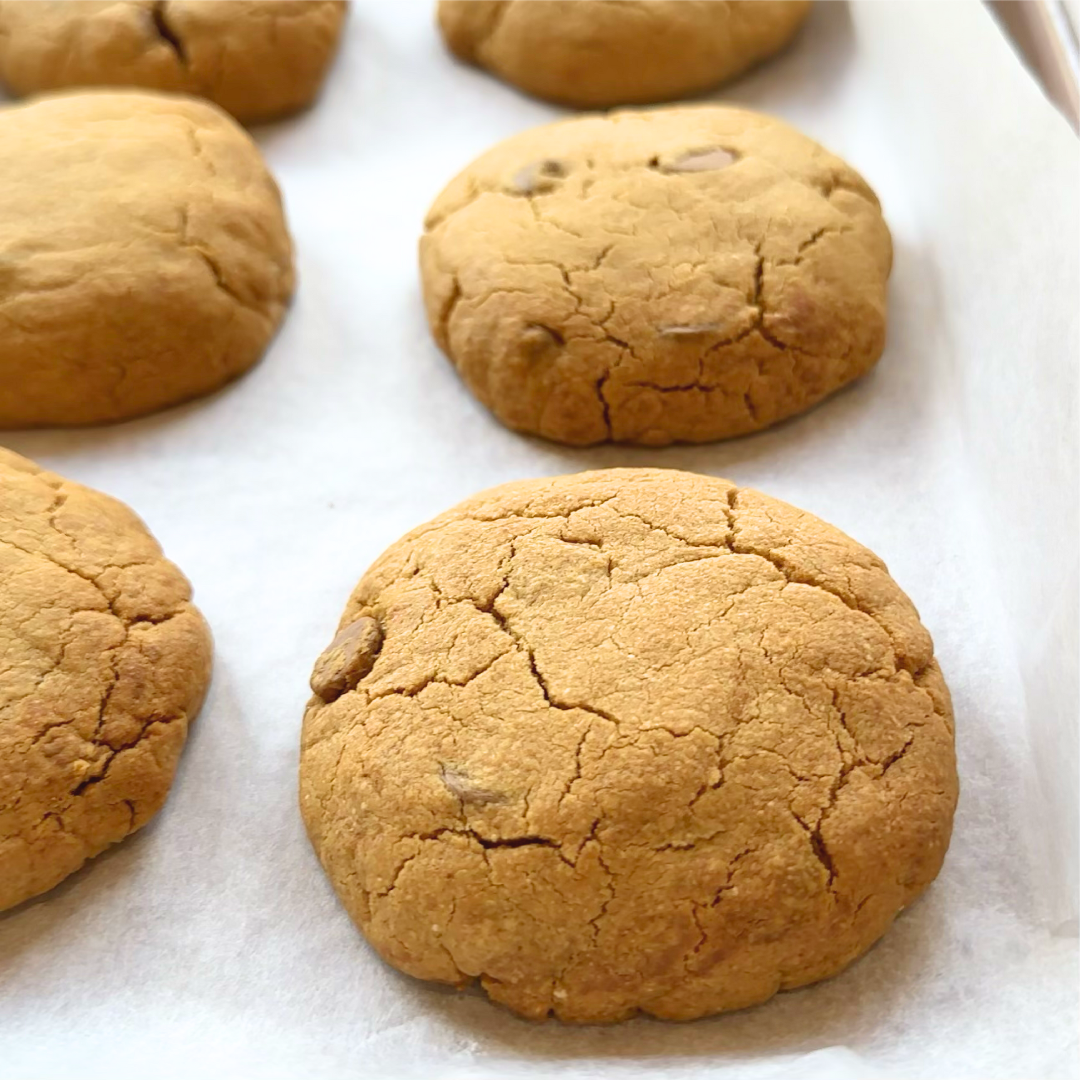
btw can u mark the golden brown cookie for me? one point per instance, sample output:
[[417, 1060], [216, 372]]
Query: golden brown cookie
[[628, 740], [144, 257], [257, 59], [104, 663], [670, 275], [597, 54]]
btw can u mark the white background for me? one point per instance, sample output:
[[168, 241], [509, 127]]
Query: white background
[[211, 944]]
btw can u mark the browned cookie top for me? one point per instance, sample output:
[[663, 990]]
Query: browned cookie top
[[628, 740], [144, 256], [257, 59], [598, 54], [668, 275], [103, 663]]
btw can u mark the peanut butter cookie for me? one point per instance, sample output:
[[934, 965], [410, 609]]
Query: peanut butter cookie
[[104, 663], [671, 275], [144, 257], [599, 54], [257, 59], [628, 740]]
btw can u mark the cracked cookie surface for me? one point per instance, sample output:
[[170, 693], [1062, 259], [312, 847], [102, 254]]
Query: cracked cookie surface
[[595, 55], [144, 257], [649, 277], [256, 59], [103, 663], [632, 740]]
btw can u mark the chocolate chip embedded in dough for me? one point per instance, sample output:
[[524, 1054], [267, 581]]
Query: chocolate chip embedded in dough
[[689, 330], [462, 788], [538, 177], [702, 161], [347, 659]]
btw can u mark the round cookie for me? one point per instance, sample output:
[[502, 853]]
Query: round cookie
[[105, 663], [595, 55], [672, 275], [257, 59], [144, 257], [628, 740]]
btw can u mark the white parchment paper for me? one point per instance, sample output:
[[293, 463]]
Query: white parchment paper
[[211, 944]]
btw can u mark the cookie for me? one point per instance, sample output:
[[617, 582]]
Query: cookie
[[649, 277], [256, 59], [144, 257], [629, 740], [595, 55], [105, 663]]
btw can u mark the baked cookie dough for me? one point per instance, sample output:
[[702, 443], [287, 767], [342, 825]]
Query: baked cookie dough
[[257, 59], [595, 55], [104, 663], [648, 277], [144, 257], [628, 740]]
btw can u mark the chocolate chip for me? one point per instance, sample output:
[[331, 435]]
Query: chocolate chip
[[538, 177], [459, 785], [689, 330], [347, 659], [702, 161], [538, 339]]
